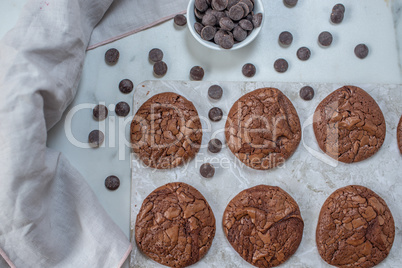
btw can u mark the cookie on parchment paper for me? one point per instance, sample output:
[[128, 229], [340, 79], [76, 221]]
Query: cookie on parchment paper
[[175, 225], [166, 131]]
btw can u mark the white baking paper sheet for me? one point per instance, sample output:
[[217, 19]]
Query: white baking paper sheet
[[307, 176]]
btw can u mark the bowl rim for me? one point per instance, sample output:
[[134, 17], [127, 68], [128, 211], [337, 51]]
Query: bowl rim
[[211, 45]]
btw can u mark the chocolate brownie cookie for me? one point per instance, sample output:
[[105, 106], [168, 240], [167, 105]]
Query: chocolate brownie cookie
[[399, 135], [166, 131], [355, 228], [263, 224], [349, 125], [263, 128], [175, 225]]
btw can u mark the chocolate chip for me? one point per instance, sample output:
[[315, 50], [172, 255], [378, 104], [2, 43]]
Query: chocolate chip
[[208, 33], [201, 5], [197, 73], [198, 27], [207, 170], [126, 86], [160, 68], [215, 114], [214, 146], [285, 38], [226, 41], [236, 12], [257, 20], [122, 108], [306, 93], [290, 3], [337, 16], [215, 92], [339, 7], [155, 55], [245, 8], [199, 15], [239, 34], [361, 51], [209, 20], [249, 4], [248, 70], [112, 183], [96, 138], [112, 56], [226, 24], [246, 24], [325, 39], [303, 53], [232, 3], [100, 112], [180, 20], [281, 65], [219, 4]]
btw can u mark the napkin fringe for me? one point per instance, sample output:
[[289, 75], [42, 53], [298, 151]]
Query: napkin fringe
[[7, 259], [142, 28]]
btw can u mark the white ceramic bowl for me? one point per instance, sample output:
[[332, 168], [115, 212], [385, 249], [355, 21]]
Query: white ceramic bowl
[[258, 8]]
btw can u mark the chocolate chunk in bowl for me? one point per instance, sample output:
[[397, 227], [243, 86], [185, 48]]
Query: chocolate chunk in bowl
[[175, 225], [263, 129], [264, 225], [355, 228], [166, 131]]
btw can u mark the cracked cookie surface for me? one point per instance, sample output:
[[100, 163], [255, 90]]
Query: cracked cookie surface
[[349, 125], [355, 228], [175, 225], [166, 131], [263, 224], [399, 135], [263, 128]]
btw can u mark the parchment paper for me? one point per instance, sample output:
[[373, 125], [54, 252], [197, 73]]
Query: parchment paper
[[307, 176]]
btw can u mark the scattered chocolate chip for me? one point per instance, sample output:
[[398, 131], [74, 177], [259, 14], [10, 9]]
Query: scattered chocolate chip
[[180, 20], [209, 20], [281, 65], [96, 138], [226, 24], [306, 93], [215, 92], [239, 34], [339, 7], [201, 5], [246, 25], [325, 39], [112, 183], [208, 33], [248, 70], [160, 68], [155, 55], [112, 56], [226, 41], [198, 27], [290, 3], [197, 73], [100, 112], [236, 12], [126, 86], [219, 4], [337, 16], [215, 114], [207, 170], [257, 20], [214, 146], [361, 51], [122, 109], [303, 53], [285, 38]]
